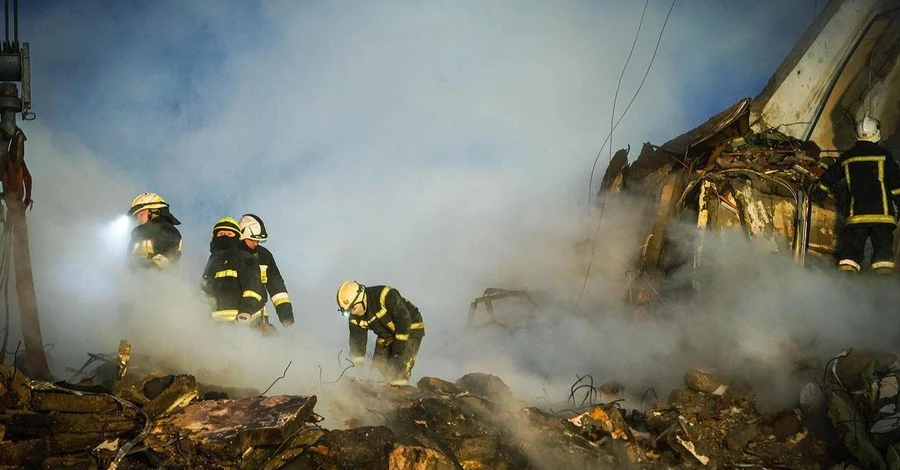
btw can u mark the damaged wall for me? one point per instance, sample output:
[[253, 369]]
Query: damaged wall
[[844, 66]]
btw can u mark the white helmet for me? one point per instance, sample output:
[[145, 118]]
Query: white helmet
[[253, 228], [868, 129]]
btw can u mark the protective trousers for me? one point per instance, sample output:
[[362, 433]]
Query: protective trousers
[[396, 367], [854, 245]]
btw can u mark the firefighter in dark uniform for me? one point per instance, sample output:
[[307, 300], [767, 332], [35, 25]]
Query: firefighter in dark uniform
[[155, 242], [873, 182], [253, 232], [395, 320], [231, 277]]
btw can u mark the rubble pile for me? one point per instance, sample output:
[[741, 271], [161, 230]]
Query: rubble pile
[[474, 423]]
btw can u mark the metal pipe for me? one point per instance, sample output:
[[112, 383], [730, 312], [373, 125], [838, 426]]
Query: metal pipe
[[6, 23], [16, 23]]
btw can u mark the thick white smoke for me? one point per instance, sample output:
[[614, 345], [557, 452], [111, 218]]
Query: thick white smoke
[[439, 148]]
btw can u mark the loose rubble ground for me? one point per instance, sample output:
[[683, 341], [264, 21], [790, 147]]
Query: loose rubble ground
[[149, 420]]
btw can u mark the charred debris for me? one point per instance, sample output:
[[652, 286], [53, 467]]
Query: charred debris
[[146, 418]]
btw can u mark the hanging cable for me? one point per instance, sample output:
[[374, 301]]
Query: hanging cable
[[633, 97], [612, 115], [587, 274]]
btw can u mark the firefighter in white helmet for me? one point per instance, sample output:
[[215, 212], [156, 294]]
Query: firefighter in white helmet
[[395, 321], [155, 242], [253, 232], [871, 176]]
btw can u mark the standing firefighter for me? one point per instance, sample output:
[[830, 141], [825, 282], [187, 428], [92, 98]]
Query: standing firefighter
[[863, 402], [873, 181], [253, 232], [231, 277], [155, 242], [395, 320]]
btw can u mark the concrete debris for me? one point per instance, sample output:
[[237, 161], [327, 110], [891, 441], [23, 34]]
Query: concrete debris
[[689, 447], [438, 386], [485, 386], [208, 432], [475, 423], [705, 380], [418, 458]]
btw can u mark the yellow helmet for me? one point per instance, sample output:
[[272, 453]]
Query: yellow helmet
[[147, 201], [226, 223], [349, 295]]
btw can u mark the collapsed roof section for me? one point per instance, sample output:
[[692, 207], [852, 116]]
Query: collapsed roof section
[[844, 67]]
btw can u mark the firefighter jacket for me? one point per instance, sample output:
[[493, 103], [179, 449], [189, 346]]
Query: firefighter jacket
[[873, 181], [392, 318], [273, 282], [156, 243], [231, 278]]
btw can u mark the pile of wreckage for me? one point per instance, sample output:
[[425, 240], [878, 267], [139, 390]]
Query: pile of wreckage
[[151, 420], [722, 176]]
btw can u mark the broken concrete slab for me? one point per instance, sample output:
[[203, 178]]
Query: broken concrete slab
[[177, 394], [486, 386], [213, 430], [438, 386], [740, 435], [706, 380]]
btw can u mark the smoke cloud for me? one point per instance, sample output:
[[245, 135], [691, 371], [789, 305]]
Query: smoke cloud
[[440, 148]]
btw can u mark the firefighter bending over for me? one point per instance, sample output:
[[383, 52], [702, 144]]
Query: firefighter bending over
[[861, 387], [873, 181], [155, 242], [395, 320], [231, 277], [253, 233]]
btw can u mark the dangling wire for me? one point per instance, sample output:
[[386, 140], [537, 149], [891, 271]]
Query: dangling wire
[[633, 97], [587, 274]]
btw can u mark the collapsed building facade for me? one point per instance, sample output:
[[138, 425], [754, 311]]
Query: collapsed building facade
[[752, 167]]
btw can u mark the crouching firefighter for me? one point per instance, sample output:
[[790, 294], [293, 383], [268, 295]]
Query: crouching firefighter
[[231, 277], [253, 233], [861, 387], [155, 242], [396, 322], [873, 182]]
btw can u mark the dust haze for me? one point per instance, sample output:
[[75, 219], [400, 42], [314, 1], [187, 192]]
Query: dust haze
[[440, 148]]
